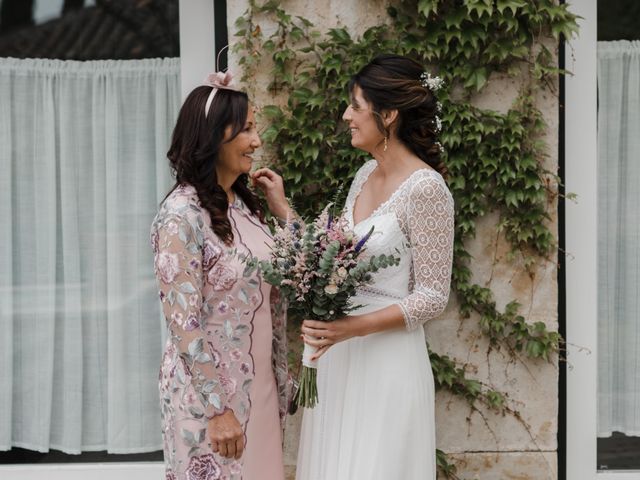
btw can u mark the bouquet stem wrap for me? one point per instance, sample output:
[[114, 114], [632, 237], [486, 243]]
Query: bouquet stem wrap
[[307, 394]]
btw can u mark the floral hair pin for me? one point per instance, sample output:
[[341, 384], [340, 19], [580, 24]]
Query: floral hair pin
[[432, 83]]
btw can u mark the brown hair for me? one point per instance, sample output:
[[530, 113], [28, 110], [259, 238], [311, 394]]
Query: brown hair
[[392, 82], [194, 150]]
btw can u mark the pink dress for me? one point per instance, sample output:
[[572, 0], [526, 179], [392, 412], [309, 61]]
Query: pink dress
[[226, 345]]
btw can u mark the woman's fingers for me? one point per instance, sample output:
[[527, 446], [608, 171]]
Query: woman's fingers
[[264, 172], [223, 450], [320, 352], [239, 447], [314, 324], [231, 448], [317, 342]]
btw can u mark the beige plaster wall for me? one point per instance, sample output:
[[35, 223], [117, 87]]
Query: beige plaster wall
[[490, 446]]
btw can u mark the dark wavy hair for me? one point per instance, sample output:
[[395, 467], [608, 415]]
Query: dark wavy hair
[[194, 150], [392, 82]]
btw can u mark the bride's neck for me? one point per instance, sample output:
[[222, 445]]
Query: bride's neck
[[397, 160]]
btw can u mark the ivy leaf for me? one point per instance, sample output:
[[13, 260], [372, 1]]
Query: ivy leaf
[[427, 7], [480, 7], [513, 5], [477, 79]]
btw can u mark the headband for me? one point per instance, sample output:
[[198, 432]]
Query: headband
[[219, 81]]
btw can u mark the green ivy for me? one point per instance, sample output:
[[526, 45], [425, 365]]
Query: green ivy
[[495, 160]]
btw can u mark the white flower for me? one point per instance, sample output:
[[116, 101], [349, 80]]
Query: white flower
[[432, 83], [342, 272], [331, 289]]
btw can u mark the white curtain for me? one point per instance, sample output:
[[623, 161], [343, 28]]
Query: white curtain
[[619, 237], [82, 169]]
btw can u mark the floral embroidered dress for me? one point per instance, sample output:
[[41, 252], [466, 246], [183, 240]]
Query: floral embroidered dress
[[375, 414], [226, 345]]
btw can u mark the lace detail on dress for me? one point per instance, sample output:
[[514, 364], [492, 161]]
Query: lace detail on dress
[[424, 209]]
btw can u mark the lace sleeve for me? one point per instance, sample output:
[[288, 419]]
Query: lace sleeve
[[177, 244], [430, 229]]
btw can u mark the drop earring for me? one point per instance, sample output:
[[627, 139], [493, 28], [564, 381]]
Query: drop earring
[[385, 143]]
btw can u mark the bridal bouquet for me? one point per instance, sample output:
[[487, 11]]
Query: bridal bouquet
[[318, 266]]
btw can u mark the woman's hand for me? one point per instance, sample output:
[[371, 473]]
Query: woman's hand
[[226, 435], [324, 334], [272, 186]]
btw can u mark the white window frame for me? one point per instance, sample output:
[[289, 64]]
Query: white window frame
[[197, 59], [581, 234]]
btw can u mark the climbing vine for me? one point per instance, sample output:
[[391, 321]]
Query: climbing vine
[[495, 160]]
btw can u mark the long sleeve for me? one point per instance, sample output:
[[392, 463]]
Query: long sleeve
[[178, 247], [430, 227]]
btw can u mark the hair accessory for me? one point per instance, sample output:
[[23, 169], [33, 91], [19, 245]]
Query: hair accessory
[[432, 83], [219, 81]]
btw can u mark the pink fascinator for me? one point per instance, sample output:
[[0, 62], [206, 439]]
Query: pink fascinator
[[219, 81]]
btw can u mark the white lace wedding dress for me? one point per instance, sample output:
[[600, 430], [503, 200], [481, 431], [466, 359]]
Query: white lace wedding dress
[[375, 416]]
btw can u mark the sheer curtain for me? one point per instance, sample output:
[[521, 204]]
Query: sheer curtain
[[619, 237], [82, 170]]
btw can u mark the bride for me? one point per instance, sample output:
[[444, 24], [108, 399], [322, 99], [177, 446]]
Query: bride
[[375, 414]]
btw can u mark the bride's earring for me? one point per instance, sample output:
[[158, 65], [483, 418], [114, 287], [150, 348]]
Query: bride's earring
[[385, 143]]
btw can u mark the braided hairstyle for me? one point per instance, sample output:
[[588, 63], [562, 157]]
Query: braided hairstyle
[[393, 82], [195, 146]]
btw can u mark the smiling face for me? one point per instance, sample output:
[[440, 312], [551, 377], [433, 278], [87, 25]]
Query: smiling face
[[360, 116], [234, 157]]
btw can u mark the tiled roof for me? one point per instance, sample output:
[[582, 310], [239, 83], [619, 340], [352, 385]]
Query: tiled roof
[[113, 29]]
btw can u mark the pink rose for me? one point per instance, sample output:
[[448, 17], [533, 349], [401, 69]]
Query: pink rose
[[210, 255], [228, 384], [167, 266], [203, 468], [236, 354], [221, 277]]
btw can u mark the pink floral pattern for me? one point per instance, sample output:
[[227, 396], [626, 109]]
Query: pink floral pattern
[[203, 468], [208, 301], [167, 266], [221, 277]]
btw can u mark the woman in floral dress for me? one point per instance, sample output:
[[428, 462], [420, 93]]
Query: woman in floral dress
[[223, 379]]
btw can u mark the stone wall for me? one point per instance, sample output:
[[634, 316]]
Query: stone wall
[[486, 446]]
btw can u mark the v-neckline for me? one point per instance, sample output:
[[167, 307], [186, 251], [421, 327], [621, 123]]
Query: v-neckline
[[382, 204]]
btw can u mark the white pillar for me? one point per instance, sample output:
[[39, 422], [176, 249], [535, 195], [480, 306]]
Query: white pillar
[[581, 244], [197, 43]]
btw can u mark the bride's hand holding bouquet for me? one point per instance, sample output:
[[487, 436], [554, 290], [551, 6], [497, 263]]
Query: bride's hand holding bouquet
[[318, 266]]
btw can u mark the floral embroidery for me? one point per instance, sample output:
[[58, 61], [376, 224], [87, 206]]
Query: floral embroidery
[[211, 254], [203, 468], [167, 266], [221, 277], [208, 303]]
